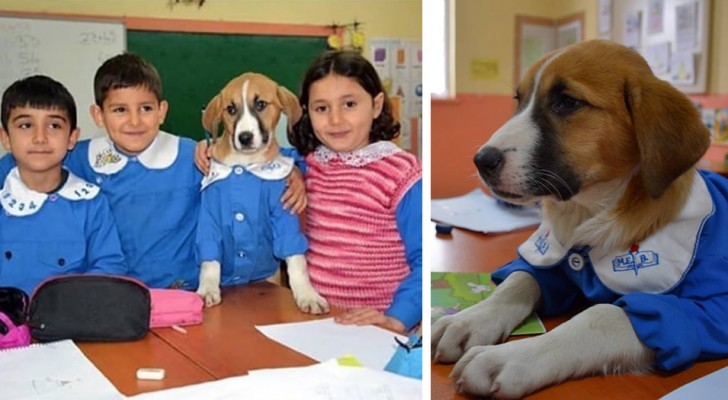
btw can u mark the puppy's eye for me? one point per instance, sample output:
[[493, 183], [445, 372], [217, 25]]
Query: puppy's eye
[[260, 105], [231, 109], [565, 105], [517, 97]]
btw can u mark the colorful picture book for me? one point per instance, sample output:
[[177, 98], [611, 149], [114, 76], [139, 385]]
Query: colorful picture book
[[456, 291]]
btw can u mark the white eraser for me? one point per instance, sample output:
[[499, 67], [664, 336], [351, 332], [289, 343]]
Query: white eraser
[[155, 374]]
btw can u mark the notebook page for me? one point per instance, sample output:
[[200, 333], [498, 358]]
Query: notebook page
[[56, 370]]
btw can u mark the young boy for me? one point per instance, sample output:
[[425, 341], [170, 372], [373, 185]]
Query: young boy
[[53, 223]]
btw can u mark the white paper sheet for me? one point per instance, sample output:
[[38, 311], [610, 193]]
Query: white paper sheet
[[326, 381], [479, 212], [712, 386], [52, 371], [324, 339]]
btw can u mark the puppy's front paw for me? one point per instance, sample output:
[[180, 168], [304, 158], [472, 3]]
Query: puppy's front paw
[[309, 301], [211, 294], [453, 335], [506, 371]]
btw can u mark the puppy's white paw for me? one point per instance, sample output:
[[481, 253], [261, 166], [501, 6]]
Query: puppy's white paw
[[211, 295], [210, 283], [453, 335], [506, 371], [309, 301]]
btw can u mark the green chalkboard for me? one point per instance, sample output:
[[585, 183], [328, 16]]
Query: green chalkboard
[[195, 66]]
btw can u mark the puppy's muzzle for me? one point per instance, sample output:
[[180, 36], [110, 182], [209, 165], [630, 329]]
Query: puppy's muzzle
[[245, 139], [489, 161]]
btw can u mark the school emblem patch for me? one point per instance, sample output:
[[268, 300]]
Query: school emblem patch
[[106, 157], [635, 260], [542, 243]]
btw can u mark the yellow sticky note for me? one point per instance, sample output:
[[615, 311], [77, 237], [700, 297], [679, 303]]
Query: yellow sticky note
[[348, 361], [484, 68]]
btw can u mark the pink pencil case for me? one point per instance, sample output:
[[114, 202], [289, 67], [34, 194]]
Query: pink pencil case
[[175, 307]]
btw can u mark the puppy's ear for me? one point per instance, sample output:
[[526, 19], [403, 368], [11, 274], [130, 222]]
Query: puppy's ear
[[670, 134], [289, 103], [211, 116]]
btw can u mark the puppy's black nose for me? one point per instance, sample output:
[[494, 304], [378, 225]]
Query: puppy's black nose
[[245, 138], [489, 161]]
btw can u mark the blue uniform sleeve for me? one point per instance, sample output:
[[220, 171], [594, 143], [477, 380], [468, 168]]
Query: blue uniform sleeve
[[103, 252], [7, 162], [288, 239], [407, 303], [558, 293], [296, 156], [687, 323], [208, 242]]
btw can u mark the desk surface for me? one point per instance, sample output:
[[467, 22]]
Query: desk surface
[[227, 343], [120, 361], [465, 251]]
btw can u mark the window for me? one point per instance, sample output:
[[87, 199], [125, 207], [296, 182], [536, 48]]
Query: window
[[437, 26]]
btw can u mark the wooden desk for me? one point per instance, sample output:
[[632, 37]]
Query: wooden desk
[[119, 362], [465, 251], [227, 343]]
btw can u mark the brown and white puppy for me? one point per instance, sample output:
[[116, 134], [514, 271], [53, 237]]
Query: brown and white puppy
[[609, 150], [249, 108]]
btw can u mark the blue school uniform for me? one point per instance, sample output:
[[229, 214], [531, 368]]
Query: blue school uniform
[[154, 197], [242, 222], [43, 235], [673, 285]]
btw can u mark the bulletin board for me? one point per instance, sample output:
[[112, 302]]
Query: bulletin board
[[672, 35]]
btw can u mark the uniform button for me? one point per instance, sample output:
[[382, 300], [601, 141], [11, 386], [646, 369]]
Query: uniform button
[[239, 217], [576, 262], [133, 159], [61, 262], [238, 170], [8, 255], [241, 254]]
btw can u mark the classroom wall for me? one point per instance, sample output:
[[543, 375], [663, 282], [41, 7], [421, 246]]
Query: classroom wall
[[401, 19], [486, 29]]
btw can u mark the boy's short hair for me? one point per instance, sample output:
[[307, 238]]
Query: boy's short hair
[[38, 91], [124, 71]]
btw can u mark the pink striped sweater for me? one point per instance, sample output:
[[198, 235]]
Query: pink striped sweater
[[356, 256]]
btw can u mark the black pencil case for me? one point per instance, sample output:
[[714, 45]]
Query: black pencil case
[[90, 308]]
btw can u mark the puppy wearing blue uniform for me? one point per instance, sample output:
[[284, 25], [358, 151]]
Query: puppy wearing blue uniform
[[243, 230], [54, 223]]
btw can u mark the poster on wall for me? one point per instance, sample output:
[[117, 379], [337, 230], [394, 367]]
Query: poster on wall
[[632, 30], [686, 27], [605, 16], [655, 16], [399, 65]]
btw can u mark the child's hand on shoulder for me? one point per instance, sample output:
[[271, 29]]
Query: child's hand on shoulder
[[202, 157], [370, 316], [294, 199]]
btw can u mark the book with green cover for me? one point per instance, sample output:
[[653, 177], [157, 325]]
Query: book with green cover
[[456, 291]]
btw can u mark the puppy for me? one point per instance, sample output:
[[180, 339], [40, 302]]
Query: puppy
[[628, 223], [243, 230]]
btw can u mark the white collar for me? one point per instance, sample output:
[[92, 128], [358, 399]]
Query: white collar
[[273, 170], [360, 157], [19, 200], [106, 159], [654, 265]]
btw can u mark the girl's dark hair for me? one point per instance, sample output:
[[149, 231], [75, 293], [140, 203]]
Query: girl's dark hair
[[41, 92], [352, 65], [124, 71]]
